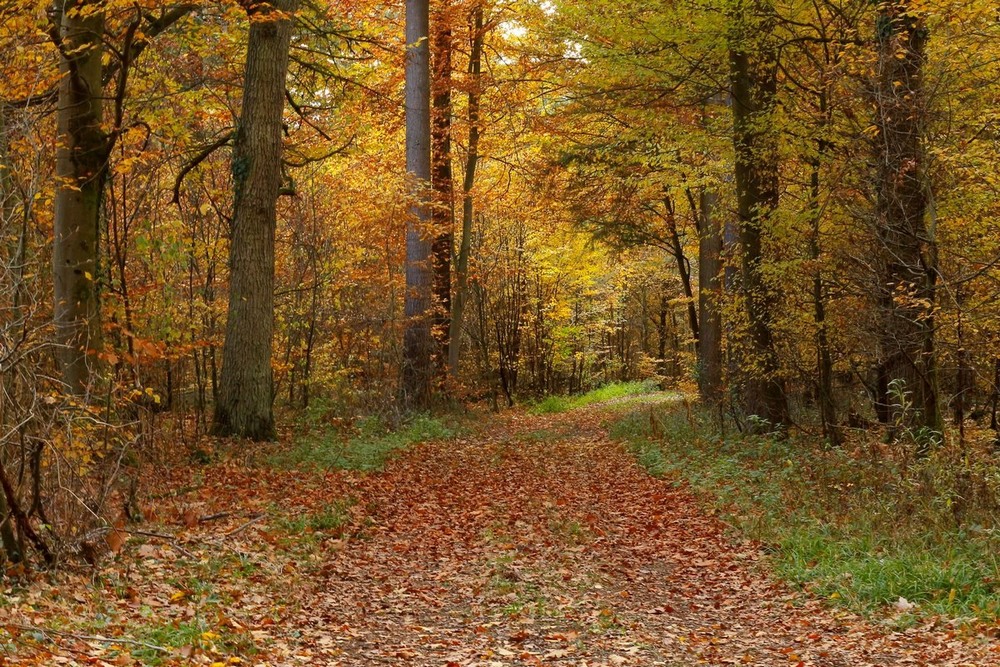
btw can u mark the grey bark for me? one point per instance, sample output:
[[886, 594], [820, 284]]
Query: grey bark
[[417, 368], [246, 386]]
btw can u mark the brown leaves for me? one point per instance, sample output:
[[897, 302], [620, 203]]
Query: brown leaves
[[504, 549]]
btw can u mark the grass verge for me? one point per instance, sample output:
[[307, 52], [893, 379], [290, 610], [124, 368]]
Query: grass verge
[[371, 444], [617, 390], [863, 525]]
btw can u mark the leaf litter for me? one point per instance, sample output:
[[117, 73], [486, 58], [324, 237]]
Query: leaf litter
[[500, 548]]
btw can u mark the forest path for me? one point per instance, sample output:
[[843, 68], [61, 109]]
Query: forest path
[[541, 541]]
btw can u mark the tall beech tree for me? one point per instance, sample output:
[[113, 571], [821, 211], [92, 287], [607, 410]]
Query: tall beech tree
[[246, 385], [417, 370]]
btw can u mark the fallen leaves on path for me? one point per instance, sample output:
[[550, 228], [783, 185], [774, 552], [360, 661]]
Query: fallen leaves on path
[[535, 542]]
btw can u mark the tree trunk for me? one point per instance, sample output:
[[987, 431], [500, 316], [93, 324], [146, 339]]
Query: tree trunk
[[709, 295], [417, 339], [683, 268], [824, 360], [443, 213], [906, 262], [81, 159], [753, 60], [246, 384], [462, 267]]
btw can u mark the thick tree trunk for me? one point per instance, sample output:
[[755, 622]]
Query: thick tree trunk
[[753, 60], [907, 262], [417, 339], [709, 295], [441, 178], [246, 384], [81, 158]]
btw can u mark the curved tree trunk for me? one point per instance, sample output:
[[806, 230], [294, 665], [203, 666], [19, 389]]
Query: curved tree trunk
[[244, 406]]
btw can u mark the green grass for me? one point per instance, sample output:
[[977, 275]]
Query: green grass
[[857, 528], [192, 634], [332, 519], [554, 404], [373, 444]]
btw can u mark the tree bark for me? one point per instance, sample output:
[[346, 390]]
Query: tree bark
[[709, 295], [417, 340], [906, 262], [443, 213], [246, 385], [683, 268], [81, 159], [455, 332], [753, 61]]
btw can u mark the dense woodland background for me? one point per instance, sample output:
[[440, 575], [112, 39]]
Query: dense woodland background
[[218, 215]]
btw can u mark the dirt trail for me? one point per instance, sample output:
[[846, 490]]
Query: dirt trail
[[540, 541]]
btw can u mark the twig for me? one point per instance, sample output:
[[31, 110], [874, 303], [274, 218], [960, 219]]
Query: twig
[[213, 517], [162, 536], [249, 523], [95, 638]]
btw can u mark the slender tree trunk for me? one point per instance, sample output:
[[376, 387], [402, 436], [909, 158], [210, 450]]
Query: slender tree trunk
[[994, 400], [683, 269], [81, 158], [443, 213], [661, 331], [417, 340], [824, 360], [462, 267], [903, 221], [709, 295], [246, 384], [753, 60]]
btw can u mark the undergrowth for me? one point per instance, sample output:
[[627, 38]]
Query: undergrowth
[[554, 404], [862, 525], [366, 446]]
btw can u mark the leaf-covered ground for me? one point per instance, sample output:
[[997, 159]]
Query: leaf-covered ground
[[536, 540]]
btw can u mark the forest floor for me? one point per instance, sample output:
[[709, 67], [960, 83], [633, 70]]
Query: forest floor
[[527, 540]]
